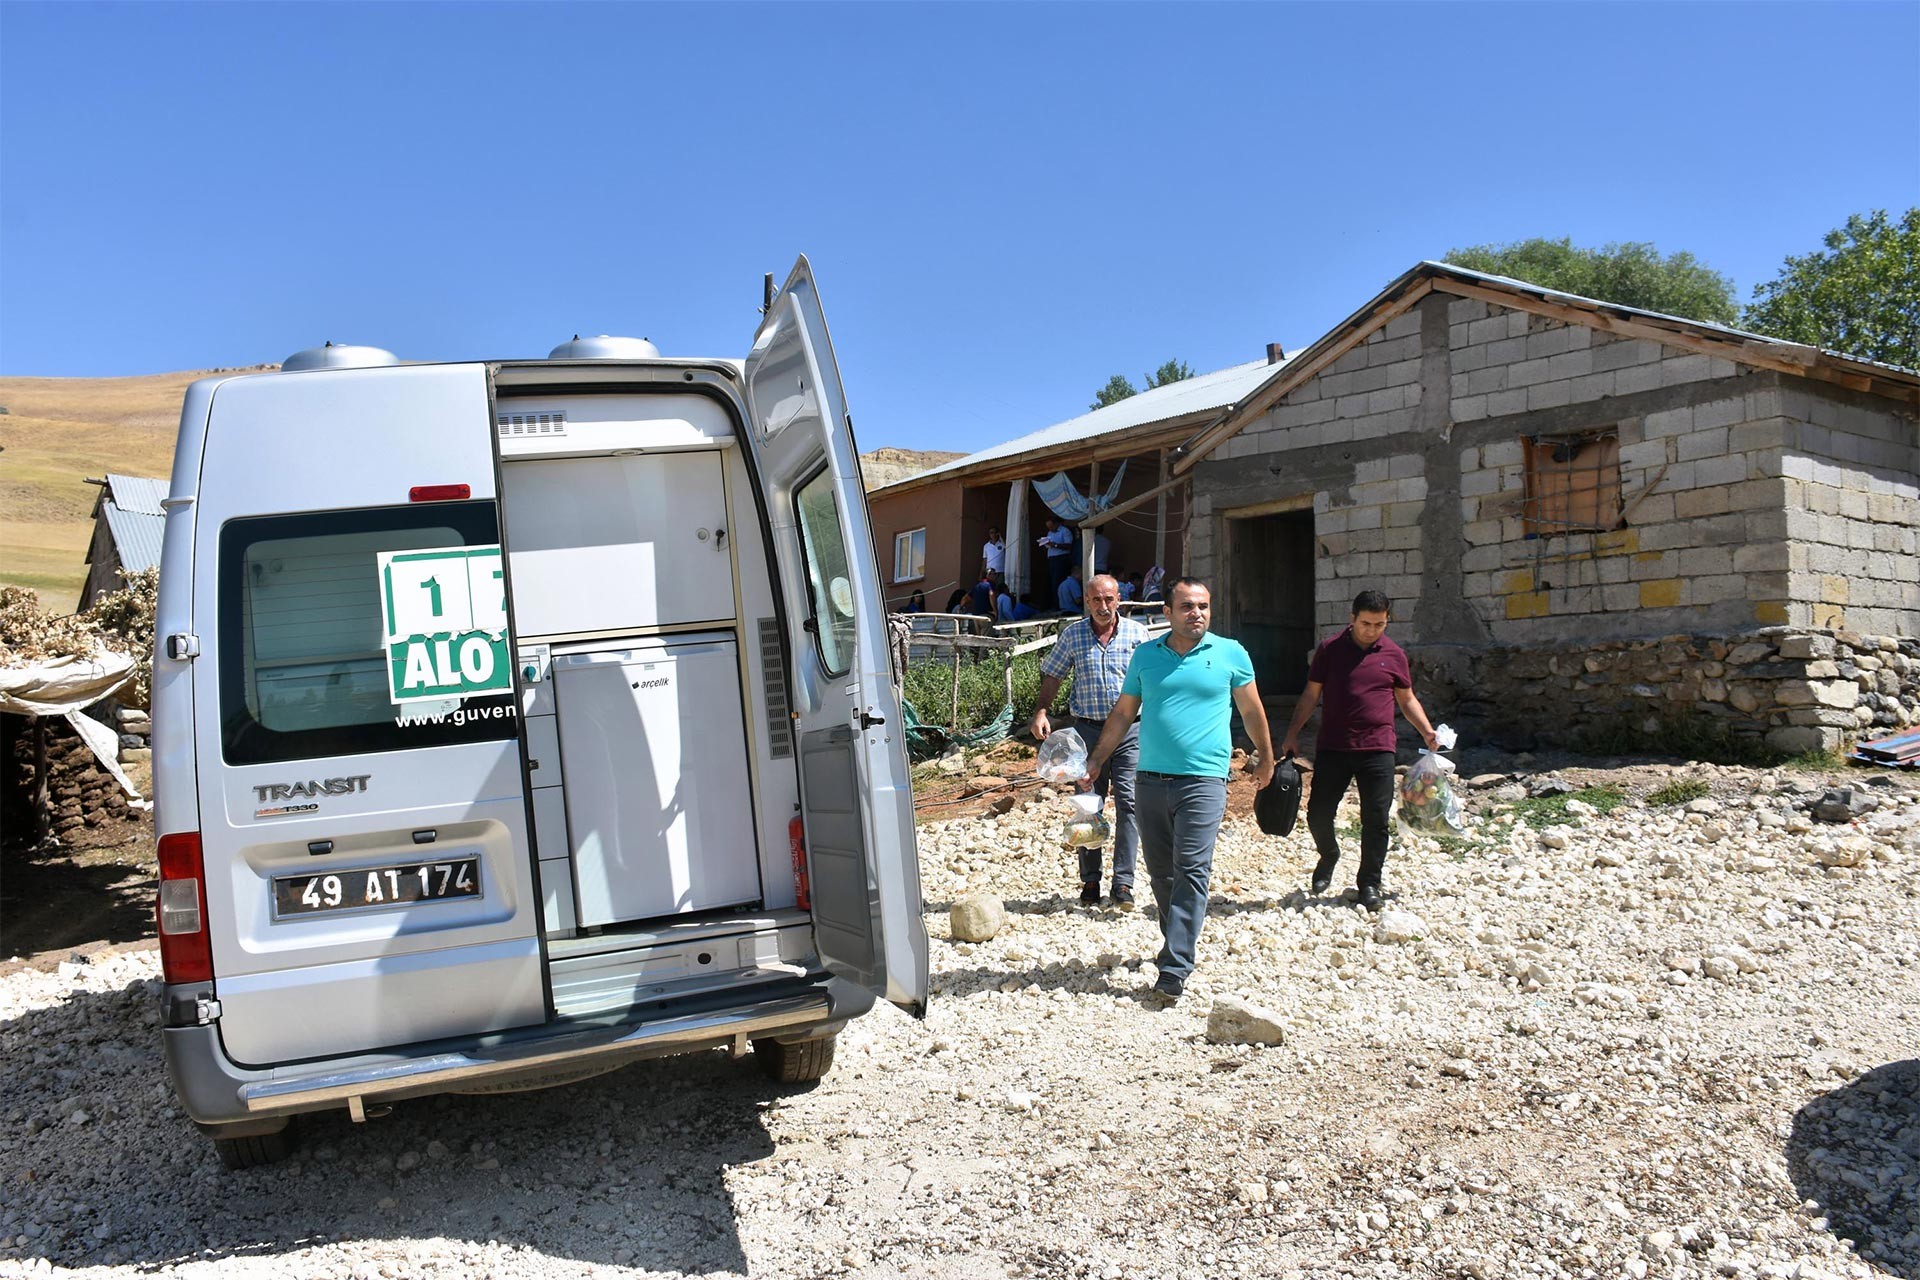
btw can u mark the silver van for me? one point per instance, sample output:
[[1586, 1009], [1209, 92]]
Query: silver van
[[517, 720]]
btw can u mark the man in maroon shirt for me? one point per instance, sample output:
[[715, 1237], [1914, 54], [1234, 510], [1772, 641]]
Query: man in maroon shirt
[[1361, 675]]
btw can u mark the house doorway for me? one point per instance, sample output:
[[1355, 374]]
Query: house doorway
[[1271, 583]]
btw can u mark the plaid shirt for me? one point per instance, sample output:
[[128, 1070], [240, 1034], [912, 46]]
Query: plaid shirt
[[1098, 670]]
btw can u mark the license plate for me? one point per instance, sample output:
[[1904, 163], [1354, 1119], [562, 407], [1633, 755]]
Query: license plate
[[323, 891]]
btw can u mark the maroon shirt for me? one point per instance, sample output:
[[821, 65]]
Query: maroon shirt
[[1356, 694]]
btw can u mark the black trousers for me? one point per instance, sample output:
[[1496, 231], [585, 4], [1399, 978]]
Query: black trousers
[[1332, 771]]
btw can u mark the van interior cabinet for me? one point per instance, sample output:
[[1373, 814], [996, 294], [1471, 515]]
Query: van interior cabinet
[[619, 543], [658, 796]]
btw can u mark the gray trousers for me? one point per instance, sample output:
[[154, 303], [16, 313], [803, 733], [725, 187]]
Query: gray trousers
[[1117, 777], [1179, 818]]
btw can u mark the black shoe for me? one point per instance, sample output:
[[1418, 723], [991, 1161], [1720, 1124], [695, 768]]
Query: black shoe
[[1169, 989], [1320, 884], [1370, 897], [1090, 894], [1122, 897]]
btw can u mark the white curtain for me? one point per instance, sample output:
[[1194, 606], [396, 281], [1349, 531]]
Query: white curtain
[[1015, 530]]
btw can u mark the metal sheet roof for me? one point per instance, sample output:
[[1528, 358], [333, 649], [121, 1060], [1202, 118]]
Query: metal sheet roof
[[136, 536], [1198, 394], [136, 493], [135, 519]]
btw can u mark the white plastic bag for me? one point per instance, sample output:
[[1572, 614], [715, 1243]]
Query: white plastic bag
[[1063, 757], [1428, 801], [1088, 826]]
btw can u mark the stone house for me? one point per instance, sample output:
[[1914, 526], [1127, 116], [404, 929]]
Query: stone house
[[1588, 517]]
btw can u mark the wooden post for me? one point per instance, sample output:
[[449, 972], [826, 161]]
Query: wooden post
[[1087, 535], [953, 722], [1160, 517], [42, 785], [1186, 524]]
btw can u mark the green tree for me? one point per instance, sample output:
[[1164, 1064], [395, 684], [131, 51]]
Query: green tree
[[1171, 371], [1116, 390], [1633, 275], [1860, 296]]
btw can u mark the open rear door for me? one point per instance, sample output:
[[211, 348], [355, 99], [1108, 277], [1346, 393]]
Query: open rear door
[[856, 794]]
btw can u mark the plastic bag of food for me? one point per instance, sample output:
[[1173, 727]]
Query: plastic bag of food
[[1088, 826], [1063, 757], [1427, 798]]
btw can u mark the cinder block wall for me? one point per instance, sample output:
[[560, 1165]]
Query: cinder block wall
[[1700, 440], [1852, 480], [1753, 498]]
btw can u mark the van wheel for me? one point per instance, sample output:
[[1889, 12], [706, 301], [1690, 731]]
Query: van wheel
[[255, 1149], [796, 1061]]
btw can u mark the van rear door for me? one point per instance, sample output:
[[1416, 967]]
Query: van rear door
[[856, 794], [362, 806]]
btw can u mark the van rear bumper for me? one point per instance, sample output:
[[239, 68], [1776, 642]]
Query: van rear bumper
[[215, 1091]]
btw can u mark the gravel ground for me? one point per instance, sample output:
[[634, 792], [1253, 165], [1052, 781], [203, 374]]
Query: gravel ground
[[1660, 1042]]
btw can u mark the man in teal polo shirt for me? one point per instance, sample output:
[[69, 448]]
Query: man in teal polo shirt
[[1183, 686]]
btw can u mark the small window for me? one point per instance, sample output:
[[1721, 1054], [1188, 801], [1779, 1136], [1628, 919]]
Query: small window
[[1573, 484], [829, 577], [303, 664], [910, 555]]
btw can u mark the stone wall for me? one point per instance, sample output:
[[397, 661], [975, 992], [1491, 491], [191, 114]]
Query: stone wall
[[1783, 689]]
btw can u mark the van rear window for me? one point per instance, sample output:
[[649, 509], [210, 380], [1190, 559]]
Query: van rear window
[[307, 609]]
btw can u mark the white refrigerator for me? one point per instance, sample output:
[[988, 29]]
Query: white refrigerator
[[658, 796]]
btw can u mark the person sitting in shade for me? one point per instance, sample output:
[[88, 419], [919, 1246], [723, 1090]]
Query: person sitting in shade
[[916, 603], [1071, 598]]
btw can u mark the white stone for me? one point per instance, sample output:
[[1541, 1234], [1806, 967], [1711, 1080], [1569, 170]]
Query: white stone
[[1398, 926], [978, 917], [1234, 1021]]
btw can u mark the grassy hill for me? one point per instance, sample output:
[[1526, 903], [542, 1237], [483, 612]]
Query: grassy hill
[[56, 432]]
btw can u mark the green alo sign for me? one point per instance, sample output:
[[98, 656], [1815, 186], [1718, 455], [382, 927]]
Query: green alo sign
[[446, 617]]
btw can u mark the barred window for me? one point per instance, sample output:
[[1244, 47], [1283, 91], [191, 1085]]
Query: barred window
[[1572, 483]]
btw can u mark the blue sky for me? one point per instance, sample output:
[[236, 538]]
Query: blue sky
[[1004, 204]]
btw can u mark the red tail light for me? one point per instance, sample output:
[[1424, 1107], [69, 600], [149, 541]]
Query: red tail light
[[797, 845], [180, 911], [439, 492]]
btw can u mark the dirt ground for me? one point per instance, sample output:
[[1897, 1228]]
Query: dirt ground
[[96, 886]]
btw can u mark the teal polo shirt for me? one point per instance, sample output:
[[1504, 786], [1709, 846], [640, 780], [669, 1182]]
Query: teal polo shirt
[[1186, 704]]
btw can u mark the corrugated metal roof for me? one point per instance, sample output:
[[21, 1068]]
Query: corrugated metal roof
[[136, 493], [136, 536], [1197, 394]]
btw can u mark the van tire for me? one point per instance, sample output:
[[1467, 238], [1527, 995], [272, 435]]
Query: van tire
[[255, 1149], [795, 1061]]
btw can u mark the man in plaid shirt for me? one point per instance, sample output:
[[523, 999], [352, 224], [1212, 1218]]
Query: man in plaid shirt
[[1095, 651]]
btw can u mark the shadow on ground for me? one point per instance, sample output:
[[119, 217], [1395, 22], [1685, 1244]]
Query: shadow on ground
[[1843, 1153], [55, 898], [628, 1168]]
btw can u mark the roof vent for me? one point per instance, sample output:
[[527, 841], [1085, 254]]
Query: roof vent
[[605, 347], [333, 356]]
